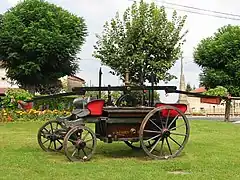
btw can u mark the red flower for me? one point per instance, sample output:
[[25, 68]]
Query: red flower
[[9, 118]]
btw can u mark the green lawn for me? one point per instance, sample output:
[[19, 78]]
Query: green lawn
[[213, 152]]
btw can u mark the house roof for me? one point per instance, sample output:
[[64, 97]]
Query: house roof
[[199, 90], [3, 90], [76, 78]]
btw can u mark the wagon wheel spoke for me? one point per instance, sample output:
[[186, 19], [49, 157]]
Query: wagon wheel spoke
[[177, 127], [88, 140], [167, 119], [161, 148], [169, 148], [50, 144], [61, 145], [153, 137], [85, 136], [57, 125], [51, 127], [154, 146], [175, 118], [54, 143], [175, 141], [160, 118], [84, 152], [179, 134], [59, 142], [74, 152], [46, 141], [149, 143], [89, 148], [155, 125], [47, 131]]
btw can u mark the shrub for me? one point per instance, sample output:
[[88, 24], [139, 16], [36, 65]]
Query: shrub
[[61, 103], [13, 95], [218, 91]]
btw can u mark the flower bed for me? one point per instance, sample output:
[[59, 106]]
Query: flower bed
[[8, 115]]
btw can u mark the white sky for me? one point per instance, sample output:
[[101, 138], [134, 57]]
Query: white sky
[[97, 12]]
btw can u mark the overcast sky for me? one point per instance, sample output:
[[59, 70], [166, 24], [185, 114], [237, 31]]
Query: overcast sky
[[97, 12]]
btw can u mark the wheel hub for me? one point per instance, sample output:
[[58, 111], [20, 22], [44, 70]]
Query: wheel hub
[[80, 144], [53, 137], [165, 133]]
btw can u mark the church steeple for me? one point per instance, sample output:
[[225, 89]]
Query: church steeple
[[182, 98]]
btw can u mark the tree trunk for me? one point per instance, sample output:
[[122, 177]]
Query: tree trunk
[[227, 110], [29, 88]]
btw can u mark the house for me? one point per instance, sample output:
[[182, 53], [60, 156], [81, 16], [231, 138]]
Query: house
[[196, 106], [74, 81], [4, 83]]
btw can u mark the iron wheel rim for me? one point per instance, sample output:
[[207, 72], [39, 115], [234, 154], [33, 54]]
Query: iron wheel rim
[[164, 140], [49, 137], [80, 141]]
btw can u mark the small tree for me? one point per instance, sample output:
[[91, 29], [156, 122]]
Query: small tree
[[188, 87], [39, 42], [142, 42]]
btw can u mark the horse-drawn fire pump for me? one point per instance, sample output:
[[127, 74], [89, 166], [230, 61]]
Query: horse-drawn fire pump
[[160, 130]]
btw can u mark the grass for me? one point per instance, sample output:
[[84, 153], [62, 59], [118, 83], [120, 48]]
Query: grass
[[213, 152]]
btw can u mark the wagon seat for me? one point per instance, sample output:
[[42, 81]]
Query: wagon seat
[[84, 108]]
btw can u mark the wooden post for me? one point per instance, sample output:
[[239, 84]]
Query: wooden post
[[127, 78], [100, 82], [227, 110]]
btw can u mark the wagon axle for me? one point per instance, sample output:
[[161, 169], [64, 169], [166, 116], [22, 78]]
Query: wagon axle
[[80, 144], [52, 137], [165, 133]]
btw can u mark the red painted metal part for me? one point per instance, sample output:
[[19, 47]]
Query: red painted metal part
[[173, 113], [96, 107]]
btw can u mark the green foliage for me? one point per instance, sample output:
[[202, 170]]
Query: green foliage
[[13, 95], [53, 88], [218, 91], [218, 56], [188, 87], [39, 42], [117, 94], [143, 41], [62, 103]]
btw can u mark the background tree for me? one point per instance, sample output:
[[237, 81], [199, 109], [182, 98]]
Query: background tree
[[188, 87], [218, 56], [143, 41], [39, 42]]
